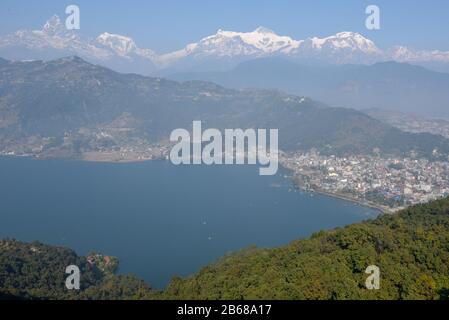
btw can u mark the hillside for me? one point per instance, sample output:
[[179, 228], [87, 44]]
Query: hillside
[[390, 86], [411, 249], [36, 271], [411, 122], [68, 107]]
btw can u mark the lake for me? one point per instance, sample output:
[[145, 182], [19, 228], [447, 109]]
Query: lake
[[160, 220]]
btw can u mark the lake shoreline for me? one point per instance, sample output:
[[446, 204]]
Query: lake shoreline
[[382, 209], [84, 158], [127, 210]]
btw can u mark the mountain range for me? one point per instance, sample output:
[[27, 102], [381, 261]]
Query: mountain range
[[71, 106], [220, 51], [392, 86]]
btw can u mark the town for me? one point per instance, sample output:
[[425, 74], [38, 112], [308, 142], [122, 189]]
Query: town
[[389, 183]]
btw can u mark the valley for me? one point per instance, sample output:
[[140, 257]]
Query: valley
[[112, 117], [239, 150]]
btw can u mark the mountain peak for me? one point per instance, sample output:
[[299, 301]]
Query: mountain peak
[[350, 40], [105, 36], [120, 44], [349, 34], [53, 39], [52, 24], [70, 60], [261, 41], [263, 30]]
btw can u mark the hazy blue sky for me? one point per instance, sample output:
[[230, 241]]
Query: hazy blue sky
[[170, 24]]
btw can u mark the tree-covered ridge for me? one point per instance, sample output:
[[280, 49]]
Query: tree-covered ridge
[[37, 271], [411, 249]]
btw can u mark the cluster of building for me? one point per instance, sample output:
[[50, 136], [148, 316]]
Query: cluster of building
[[389, 182]]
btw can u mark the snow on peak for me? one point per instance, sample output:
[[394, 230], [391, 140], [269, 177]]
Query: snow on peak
[[53, 25], [405, 54], [402, 53], [342, 47], [263, 30], [345, 40], [348, 34], [258, 42], [120, 44], [123, 46]]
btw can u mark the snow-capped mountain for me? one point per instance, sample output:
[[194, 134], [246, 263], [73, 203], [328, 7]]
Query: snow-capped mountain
[[123, 46], [344, 40], [261, 41], [343, 47], [55, 36], [221, 50], [55, 41], [234, 46], [404, 54], [52, 40]]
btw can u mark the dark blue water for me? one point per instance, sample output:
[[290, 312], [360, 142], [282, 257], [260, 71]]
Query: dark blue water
[[158, 219]]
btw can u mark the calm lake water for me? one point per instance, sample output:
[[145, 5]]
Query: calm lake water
[[159, 219]]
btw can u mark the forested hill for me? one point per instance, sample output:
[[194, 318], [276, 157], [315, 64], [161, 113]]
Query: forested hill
[[411, 249], [37, 271]]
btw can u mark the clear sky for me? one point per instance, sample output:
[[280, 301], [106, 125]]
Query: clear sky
[[166, 25]]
